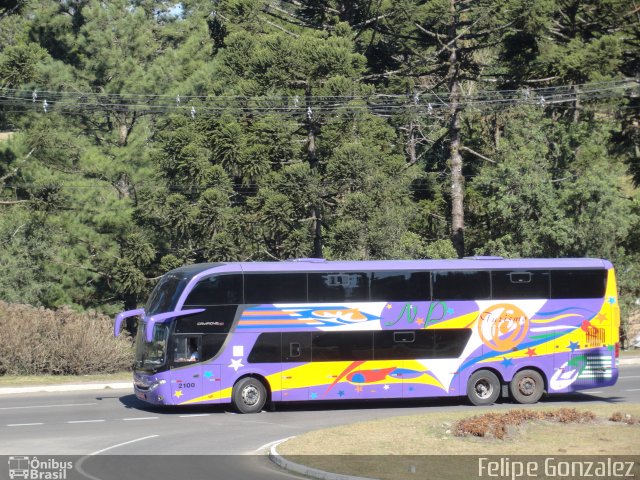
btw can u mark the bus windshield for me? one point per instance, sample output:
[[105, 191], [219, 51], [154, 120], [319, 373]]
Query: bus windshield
[[151, 355], [165, 296]]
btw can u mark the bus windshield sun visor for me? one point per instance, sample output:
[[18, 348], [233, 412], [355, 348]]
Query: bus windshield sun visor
[[121, 316], [163, 317]]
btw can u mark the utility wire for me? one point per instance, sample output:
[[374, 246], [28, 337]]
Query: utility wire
[[377, 104]]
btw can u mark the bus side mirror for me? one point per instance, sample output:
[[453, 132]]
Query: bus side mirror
[[117, 326]]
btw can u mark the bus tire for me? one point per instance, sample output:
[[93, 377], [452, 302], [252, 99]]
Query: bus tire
[[249, 395], [483, 388], [526, 386]]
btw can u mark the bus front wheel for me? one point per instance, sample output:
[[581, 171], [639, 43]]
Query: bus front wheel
[[249, 395], [483, 388], [526, 386]]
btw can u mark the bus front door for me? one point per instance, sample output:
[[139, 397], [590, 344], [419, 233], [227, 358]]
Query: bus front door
[[186, 371]]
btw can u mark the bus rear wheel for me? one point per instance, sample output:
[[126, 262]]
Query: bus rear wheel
[[527, 386], [249, 395], [483, 388]]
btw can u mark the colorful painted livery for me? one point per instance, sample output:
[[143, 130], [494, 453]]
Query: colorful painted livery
[[252, 333]]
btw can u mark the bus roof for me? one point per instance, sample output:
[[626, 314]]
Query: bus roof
[[471, 263]]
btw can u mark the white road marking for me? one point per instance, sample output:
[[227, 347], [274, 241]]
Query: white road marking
[[78, 465], [47, 406], [633, 390], [593, 391], [85, 421], [23, 424], [98, 452], [629, 376], [139, 418], [195, 415]]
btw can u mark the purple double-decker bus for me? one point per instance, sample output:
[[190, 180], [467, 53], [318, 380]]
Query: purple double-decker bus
[[310, 329]]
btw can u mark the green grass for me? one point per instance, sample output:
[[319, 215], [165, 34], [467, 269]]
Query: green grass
[[32, 380], [352, 449]]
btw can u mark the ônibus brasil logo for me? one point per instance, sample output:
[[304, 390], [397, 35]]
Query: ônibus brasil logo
[[38, 469]]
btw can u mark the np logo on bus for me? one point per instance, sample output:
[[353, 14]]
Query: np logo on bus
[[502, 327]]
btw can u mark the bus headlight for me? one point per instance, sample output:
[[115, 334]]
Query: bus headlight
[[156, 384]]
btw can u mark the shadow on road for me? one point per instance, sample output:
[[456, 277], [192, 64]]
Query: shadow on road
[[132, 402]]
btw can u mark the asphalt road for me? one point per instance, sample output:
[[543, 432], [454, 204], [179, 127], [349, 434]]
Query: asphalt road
[[102, 427]]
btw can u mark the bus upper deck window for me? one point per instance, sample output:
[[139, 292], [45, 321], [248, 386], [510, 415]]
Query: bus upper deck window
[[216, 290]]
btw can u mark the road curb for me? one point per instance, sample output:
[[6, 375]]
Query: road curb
[[298, 468], [66, 388]]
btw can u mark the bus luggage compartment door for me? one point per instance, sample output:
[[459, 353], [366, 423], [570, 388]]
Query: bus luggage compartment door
[[296, 353]]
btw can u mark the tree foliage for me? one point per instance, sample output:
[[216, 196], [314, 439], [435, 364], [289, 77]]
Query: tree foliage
[[141, 174]]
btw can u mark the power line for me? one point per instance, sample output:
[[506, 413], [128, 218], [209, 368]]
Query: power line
[[377, 104]]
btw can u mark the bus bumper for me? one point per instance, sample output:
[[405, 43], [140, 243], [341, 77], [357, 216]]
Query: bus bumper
[[151, 389]]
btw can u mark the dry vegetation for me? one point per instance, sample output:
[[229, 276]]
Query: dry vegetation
[[5, 136], [61, 342], [624, 418], [550, 431], [498, 425]]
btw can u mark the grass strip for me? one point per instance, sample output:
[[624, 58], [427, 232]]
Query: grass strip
[[32, 380], [352, 449]]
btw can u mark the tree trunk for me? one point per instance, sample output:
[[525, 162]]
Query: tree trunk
[[412, 144], [457, 179], [576, 104], [124, 128], [316, 210]]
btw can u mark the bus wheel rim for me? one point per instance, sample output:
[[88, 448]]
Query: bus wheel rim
[[483, 388], [250, 395], [527, 386]]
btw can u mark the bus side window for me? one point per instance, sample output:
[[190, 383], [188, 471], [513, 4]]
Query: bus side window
[[461, 285], [267, 348], [341, 346], [296, 347], [186, 348], [216, 290], [211, 344], [275, 288], [339, 287], [400, 286], [508, 285], [578, 283]]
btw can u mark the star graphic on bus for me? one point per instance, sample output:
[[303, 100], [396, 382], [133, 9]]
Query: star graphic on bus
[[507, 362], [314, 396], [208, 374], [531, 352], [178, 393], [386, 387], [236, 364], [573, 346]]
